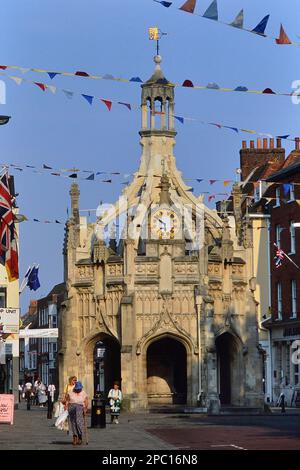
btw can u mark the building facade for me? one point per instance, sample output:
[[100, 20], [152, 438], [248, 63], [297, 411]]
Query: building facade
[[40, 345], [284, 324], [160, 291]]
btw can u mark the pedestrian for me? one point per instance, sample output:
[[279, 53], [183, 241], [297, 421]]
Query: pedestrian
[[115, 399], [69, 388], [77, 403], [41, 393], [51, 392], [282, 402], [20, 392], [28, 391]]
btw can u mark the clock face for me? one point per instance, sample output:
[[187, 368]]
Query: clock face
[[165, 224]]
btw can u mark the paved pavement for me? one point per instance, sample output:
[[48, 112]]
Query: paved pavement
[[32, 430]]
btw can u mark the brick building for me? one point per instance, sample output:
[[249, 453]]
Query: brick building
[[270, 196]]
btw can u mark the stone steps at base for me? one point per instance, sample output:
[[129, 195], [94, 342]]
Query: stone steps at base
[[240, 410]]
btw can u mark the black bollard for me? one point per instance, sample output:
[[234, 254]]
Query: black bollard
[[98, 412], [50, 406], [28, 398]]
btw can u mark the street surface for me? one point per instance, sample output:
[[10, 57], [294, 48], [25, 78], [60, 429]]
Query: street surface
[[154, 431]]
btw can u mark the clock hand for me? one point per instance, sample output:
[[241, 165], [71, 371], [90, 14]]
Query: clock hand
[[162, 222]]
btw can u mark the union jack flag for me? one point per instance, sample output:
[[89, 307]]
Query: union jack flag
[[279, 257], [8, 234]]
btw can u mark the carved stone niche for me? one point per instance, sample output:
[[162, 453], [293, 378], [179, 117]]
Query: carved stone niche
[[214, 269], [114, 270], [237, 271], [215, 289], [239, 290], [84, 273]]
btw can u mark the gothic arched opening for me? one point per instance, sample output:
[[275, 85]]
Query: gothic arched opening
[[166, 372], [229, 369], [107, 365]]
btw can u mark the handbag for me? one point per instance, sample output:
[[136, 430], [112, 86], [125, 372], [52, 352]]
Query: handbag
[[61, 420]]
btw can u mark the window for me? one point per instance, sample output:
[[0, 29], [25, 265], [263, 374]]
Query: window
[[294, 299], [277, 197], [278, 231], [2, 297], [292, 192], [279, 301], [293, 237]]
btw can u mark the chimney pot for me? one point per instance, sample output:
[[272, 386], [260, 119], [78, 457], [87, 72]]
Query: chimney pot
[[244, 144], [271, 143], [265, 143], [252, 144], [259, 143], [278, 142], [297, 143]]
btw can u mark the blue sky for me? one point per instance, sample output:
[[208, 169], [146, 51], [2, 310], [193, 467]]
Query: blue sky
[[110, 36]]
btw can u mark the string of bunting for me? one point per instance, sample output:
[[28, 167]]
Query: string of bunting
[[90, 99], [211, 13], [187, 83], [74, 174]]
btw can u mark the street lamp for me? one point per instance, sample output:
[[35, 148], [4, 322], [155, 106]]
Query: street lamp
[[4, 120]]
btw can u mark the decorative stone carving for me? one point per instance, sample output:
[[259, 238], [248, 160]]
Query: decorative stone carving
[[85, 273]]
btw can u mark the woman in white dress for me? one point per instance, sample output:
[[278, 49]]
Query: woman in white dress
[[115, 399], [42, 395]]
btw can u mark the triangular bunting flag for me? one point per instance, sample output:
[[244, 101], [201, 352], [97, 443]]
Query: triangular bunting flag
[[238, 22], [52, 88], [36, 220], [212, 181], [55, 174], [269, 91], [212, 11], [24, 70], [226, 183], [136, 79], [180, 119], [283, 38], [235, 129], [187, 83], [107, 103], [188, 6], [166, 4], [46, 167], [88, 98], [260, 28], [91, 177], [3, 67], [199, 180], [106, 181], [211, 197], [128, 105], [57, 221], [108, 76], [42, 86], [82, 74], [17, 80], [283, 136], [69, 94], [52, 74], [73, 175]]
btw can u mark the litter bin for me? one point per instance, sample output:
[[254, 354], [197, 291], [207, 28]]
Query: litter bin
[[98, 417]]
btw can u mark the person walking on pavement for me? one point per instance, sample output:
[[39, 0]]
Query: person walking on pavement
[[42, 395], [115, 399], [28, 391], [77, 404]]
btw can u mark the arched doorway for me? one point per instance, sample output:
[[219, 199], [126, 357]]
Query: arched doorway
[[107, 365], [166, 372], [229, 369]]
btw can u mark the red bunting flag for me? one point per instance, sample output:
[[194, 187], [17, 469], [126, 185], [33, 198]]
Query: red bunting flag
[[107, 103], [41, 85], [187, 83], [211, 197], [188, 6], [81, 74], [3, 67], [283, 38]]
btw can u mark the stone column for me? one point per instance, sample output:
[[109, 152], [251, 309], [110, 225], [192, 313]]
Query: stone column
[[213, 402]]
